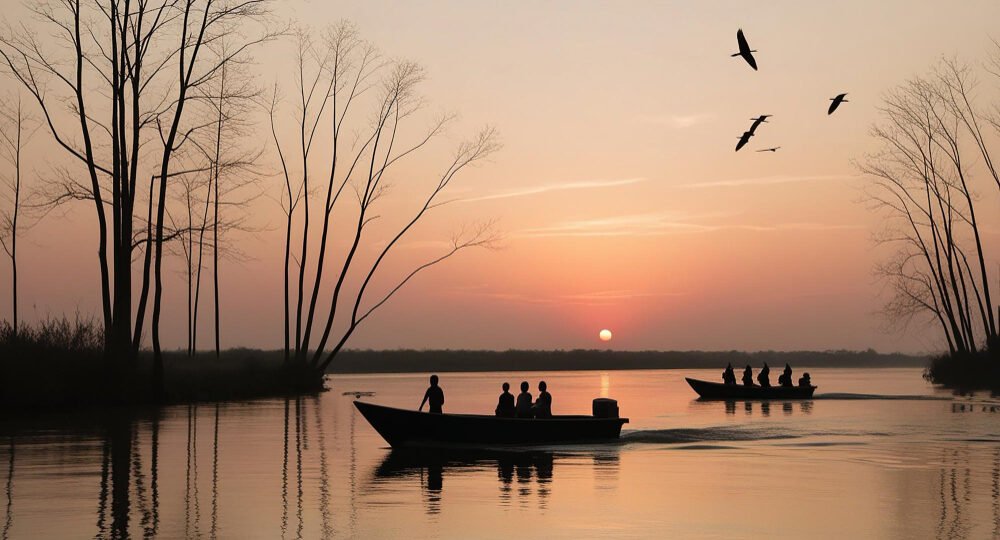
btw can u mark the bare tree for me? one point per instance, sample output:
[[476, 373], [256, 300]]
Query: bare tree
[[16, 128], [126, 72], [923, 181], [336, 78]]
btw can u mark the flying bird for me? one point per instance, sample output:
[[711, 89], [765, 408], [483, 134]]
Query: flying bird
[[841, 98], [744, 139], [758, 121], [773, 149], [745, 50]]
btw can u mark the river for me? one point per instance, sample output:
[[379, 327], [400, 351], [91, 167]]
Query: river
[[879, 453]]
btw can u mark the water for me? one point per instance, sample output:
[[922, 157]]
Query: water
[[849, 464]]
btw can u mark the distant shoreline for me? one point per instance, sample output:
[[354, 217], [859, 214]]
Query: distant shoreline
[[422, 361]]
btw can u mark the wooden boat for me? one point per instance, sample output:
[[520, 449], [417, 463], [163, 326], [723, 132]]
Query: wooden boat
[[711, 390], [406, 428]]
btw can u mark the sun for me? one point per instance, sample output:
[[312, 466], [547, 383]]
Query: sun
[[605, 335]]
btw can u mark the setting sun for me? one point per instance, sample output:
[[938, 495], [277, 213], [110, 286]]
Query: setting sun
[[605, 335]]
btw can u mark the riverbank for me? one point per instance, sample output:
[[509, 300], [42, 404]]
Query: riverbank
[[60, 364], [966, 372]]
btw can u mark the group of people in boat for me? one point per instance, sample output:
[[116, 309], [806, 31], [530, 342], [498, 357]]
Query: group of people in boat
[[764, 377], [507, 406]]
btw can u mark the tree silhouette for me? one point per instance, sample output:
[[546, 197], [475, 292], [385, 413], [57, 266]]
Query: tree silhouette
[[336, 76]]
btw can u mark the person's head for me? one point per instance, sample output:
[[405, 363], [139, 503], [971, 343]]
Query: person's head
[[729, 365], [788, 367], [524, 386], [506, 387], [542, 386], [434, 380], [747, 368], [805, 375], [765, 364]]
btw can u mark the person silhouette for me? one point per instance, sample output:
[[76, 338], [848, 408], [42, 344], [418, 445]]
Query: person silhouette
[[505, 406], [434, 395], [523, 407], [786, 377], [804, 380], [728, 377], [763, 378], [747, 376], [543, 405]]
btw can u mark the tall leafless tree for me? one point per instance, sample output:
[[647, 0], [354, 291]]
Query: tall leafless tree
[[338, 79], [16, 128], [126, 72], [925, 181]]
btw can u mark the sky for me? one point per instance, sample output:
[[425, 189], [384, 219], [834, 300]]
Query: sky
[[620, 200]]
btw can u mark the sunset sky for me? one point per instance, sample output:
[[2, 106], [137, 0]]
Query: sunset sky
[[621, 202]]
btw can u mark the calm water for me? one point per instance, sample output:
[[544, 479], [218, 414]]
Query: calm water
[[849, 464]]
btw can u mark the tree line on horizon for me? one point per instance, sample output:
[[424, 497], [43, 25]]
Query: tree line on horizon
[[155, 104]]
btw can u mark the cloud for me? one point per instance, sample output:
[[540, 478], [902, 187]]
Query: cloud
[[658, 224], [596, 298], [768, 181], [677, 121], [565, 186]]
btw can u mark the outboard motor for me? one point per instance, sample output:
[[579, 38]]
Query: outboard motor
[[605, 408]]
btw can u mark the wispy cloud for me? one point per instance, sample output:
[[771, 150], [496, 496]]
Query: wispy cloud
[[658, 224], [767, 181], [596, 298], [557, 186], [677, 121]]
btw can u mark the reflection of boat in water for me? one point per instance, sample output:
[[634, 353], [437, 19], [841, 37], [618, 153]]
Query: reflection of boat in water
[[710, 390], [400, 427]]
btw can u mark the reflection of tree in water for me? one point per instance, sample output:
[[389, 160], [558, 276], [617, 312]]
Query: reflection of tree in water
[[995, 492], [9, 514], [296, 445], [954, 494]]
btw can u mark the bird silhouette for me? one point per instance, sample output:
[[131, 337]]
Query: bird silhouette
[[836, 102], [772, 149], [745, 50], [744, 139], [758, 121]]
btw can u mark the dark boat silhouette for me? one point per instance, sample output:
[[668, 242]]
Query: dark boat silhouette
[[406, 428], [711, 390]]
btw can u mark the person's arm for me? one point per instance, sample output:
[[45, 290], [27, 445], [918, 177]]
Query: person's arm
[[427, 394]]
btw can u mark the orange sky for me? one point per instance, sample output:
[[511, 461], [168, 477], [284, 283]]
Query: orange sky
[[621, 201]]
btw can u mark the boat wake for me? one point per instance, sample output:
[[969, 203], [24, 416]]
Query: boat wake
[[702, 435], [890, 397]]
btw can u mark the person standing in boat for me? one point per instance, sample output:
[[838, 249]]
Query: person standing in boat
[[543, 405], [434, 395], [523, 407], [748, 376], [764, 377], [728, 377], [505, 406], [786, 377]]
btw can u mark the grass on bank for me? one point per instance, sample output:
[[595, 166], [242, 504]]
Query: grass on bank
[[966, 372], [60, 363]]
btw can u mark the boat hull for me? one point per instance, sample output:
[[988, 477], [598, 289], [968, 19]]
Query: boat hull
[[715, 391], [404, 428]]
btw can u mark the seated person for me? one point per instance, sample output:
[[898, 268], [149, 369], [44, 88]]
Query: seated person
[[543, 405], [523, 407], [747, 376], [804, 380], [728, 377], [764, 377], [505, 406], [435, 395], [785, 379]]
